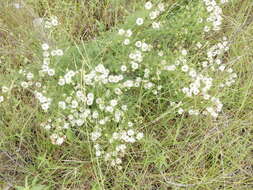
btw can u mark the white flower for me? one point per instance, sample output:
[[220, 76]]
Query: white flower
[[113, 103], [113, 163], [17, 5], [124, 107], [234, 75], [129, 33], [53, 52], [206, 96], [97, 146], [123, 68], [95, 115], [37, 22], [117, 91], [185, 68], [54, 21], [90, 96], [126, 42], [148, 5], [24, 84], [95, 135], [53, 137], [128, 83], [131, 140], [222, 67], [30, 83], [59, 52], [46, 54], [46, 61], [79, 94], [1, 99], [223, 1], [47, 127], [74, 104], [48, 24], [61, 81], [153, 14], [170, 68], [130, 124], [139, 136], [109, 109], [45, 46], [134, 65], [130, 132], [118, 161], [4, 89], [161, 7], [218, 61], [98, 153], [102, 122], [199, 45], [191, 112], [139, 21], [192, 73], [79, 122], [138, 44], [155, 25], [62, 105], [121, 32], [45, 106], [195, 91], [206, 29], [184, 52], [204, 64], [160, 53], [89, 102], [209, 8], [144, 47], [99, 101], [51, 72], [180, 111], [59, 141]]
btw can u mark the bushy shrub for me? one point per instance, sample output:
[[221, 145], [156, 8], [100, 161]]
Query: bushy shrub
[[163, 54]]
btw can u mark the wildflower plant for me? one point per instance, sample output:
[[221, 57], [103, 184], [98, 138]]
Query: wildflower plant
[[161, 53]]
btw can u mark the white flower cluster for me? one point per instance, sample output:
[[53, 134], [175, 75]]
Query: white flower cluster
[[126, 33], [101, 75], [56, 139], [4, 90], [46, 69], [83, 107], [121, 139], [51, 22], [67, 78], [213, 111], [201, 82], [96, 96], [47, 54], [215, 15], [155, 13], [29, 79], [33, 83], [44, 101], [47, 23]]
